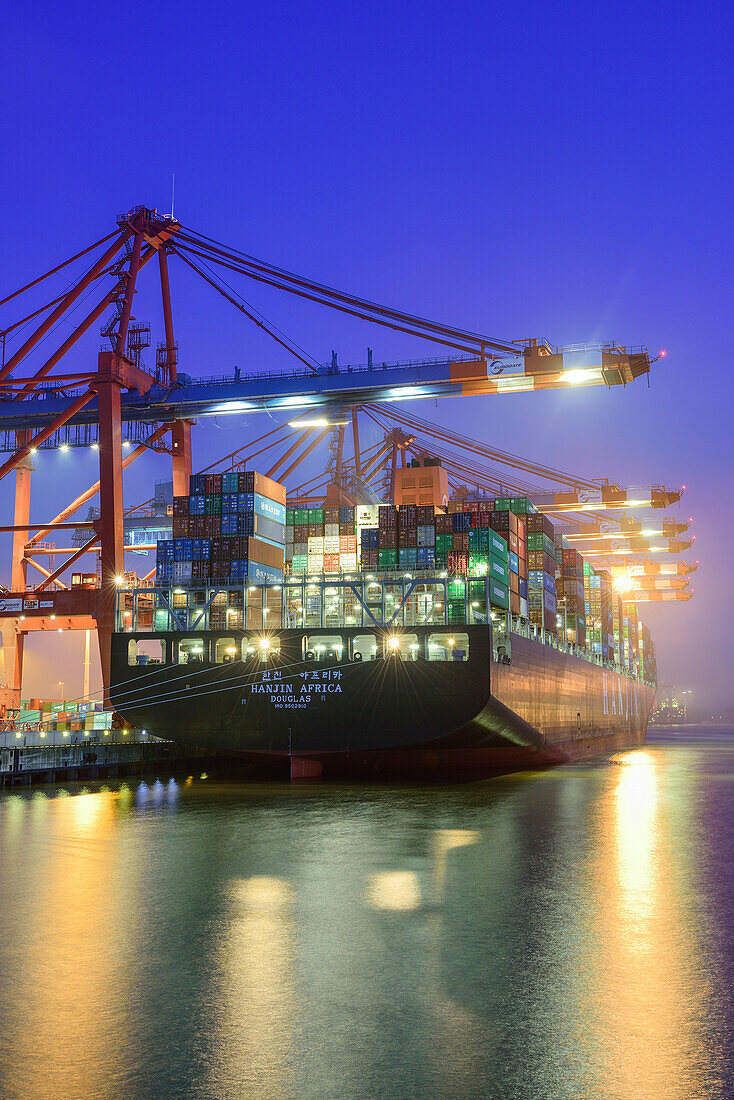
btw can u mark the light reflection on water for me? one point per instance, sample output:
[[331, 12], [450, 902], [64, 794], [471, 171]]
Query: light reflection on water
[[564, 934]]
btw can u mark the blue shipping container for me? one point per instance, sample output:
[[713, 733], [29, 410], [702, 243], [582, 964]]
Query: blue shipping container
[[261, 506]]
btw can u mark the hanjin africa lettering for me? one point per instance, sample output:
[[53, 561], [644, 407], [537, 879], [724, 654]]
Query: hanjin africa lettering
[[305, 688]]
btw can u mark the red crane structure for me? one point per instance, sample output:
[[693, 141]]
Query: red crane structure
[[45, 406]]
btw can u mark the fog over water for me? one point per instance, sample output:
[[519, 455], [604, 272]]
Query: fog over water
[[563, 934]]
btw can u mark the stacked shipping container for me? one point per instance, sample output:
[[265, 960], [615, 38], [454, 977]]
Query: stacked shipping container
[[230, 529]]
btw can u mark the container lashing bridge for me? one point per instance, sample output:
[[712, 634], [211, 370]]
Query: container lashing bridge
[[50, 405]]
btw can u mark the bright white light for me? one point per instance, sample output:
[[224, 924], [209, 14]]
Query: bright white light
[[126, 443], [318, 423], [514, 383], [393, 642], [407, 391], [577, 377], [232, 407], [119, 579], [650, 532], [301, 402], [264, 643], [34, 450], [95, 446], [64, 448]]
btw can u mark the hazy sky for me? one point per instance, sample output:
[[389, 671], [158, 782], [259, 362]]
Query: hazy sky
[[561, 171]]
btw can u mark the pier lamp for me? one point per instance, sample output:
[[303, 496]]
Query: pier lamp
[[393, 642], [264, 644]]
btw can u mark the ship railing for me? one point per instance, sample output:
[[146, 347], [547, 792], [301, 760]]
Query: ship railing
[[396, 601]]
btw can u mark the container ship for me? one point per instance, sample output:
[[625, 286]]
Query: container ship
[[448, 640]]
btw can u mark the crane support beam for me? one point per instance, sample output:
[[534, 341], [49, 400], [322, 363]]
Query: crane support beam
[[57, 523], [61, 308], [79, 331], [59, 420], [299, 391], [66, 563]]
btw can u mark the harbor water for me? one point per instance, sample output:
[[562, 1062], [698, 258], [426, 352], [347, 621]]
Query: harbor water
[[565, 934]]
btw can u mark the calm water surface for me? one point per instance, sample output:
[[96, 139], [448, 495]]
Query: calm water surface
[[565, 934]]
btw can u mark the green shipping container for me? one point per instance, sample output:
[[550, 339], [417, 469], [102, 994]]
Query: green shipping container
[[498, 547], [456, 589], [479, 540], [521, 506], [499, 595], [535, 541], [386, 559], [290, 516], [444, 544], [498, 570], [315, 515]]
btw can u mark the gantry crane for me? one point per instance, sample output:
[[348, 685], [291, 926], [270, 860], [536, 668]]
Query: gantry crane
[[45, 405]]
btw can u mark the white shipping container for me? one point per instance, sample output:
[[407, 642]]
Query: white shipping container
[[331, 529], [348, 561], [315, 563], [289, 534], [316, 544], [365, 515], [331, 542]]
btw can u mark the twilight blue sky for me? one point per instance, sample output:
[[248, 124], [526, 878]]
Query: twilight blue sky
[[522, 170]]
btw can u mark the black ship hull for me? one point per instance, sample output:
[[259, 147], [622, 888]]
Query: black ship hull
[[445, 719]]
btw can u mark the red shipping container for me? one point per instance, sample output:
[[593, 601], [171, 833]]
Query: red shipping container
[[485, 519], [461, 541], [180, 506], [213, 483], [408, 536], [331, 563], [457, 562], [471, 506], [388, 538], [521, 529], [331, 515], [387, 516], [444, 525], [347, 544], [213, 526], [346, 529], [181, 527], [514, 602], [512, 543]]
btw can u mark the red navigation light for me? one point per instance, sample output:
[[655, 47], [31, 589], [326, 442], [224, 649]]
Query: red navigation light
[[690, 519], [663, 353], [682, 487]]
